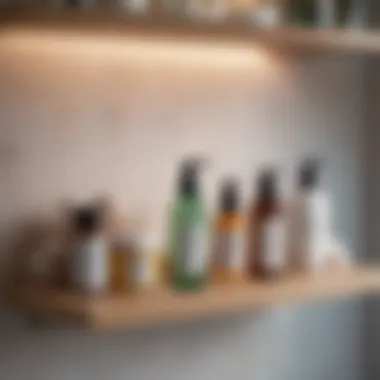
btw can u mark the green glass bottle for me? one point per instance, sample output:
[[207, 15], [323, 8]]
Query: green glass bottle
[[188, 231]]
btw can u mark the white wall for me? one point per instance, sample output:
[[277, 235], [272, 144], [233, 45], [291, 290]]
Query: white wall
[[76, 124]]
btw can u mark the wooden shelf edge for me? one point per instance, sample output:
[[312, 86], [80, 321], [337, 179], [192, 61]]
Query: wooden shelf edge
[[164, 306], [227, 300], [340, 40]]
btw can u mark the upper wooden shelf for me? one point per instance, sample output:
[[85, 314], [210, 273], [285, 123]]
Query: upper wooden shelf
[[166, 306], [335, 40]]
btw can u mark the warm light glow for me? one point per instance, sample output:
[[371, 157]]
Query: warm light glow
[[216, 54]]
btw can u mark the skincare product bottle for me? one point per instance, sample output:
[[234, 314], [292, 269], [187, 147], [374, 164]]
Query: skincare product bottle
[[188, 245], [310, 219], [267, 230], [228, 245], [89, 264]]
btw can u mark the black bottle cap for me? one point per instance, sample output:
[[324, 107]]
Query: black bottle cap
[[86, 219], [309, 174], [267, 184], [189, 177], [229, 196]]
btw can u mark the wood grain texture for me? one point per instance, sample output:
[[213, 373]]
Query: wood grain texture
[[163, 306]]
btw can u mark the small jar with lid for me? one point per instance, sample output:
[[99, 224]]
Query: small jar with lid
[[145, 261]]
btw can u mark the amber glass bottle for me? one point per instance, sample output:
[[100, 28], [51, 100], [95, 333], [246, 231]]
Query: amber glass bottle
[[266, 253], [228, 244], [120, 266]]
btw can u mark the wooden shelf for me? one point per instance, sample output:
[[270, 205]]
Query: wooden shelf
[[166, 306], [335, 40]]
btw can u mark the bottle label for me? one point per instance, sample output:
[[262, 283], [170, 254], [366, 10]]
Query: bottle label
[[274, 243], [90, 265], [193, 250], [229, 249]]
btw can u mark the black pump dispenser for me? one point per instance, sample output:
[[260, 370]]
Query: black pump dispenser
[[309, 175], [267, 185], [229, 197], [86, 219], [189, 178]]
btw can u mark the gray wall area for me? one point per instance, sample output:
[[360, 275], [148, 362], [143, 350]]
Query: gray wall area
[[372, 240], [372, 328], [128, 119]]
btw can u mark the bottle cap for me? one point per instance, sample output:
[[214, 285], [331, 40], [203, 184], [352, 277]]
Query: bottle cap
[[189, 177], [267, 184], [86, 219], [309, 174], [229, 196]]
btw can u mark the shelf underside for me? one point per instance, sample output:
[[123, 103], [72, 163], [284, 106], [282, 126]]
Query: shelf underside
[[337, 40], [163, 306]]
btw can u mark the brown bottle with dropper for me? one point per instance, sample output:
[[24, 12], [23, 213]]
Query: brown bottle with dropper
[[266, 230]]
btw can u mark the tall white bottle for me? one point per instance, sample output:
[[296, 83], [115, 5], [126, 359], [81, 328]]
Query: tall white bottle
[[89, 263], [309, 220]]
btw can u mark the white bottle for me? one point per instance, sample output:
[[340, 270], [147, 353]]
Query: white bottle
[[309, 221], [89, 264]]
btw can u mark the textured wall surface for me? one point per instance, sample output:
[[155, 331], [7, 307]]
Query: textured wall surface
[[78, 121]]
